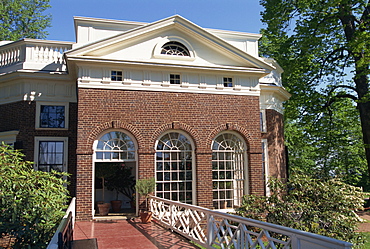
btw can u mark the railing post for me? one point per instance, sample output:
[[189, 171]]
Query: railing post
[[210, 231]]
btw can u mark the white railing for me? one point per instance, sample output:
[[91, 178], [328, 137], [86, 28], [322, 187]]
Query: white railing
[[37, 54], [10, 55], [213, 229], [53, 244]]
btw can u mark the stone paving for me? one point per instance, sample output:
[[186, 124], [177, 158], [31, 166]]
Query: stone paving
[[117, 234]]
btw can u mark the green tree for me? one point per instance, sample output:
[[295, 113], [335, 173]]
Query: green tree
[[328, 143], [323, 47], [23, 19], [309, 204], [31, 202]]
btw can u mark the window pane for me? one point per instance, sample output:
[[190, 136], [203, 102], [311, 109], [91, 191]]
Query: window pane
[[228, 170], [51, 155], [120, 143], [173, 158], [52, 116]]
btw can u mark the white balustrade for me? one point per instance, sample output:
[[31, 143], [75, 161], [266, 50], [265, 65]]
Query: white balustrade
[[213, 229], [34, 54], [9, 56]]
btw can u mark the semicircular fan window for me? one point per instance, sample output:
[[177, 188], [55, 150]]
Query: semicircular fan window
[[175, 48]]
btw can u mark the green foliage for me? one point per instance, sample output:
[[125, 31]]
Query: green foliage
[[23, 19], [323, 47], [144, 187], [308, 204], [104, 171], [122, 181], [31, 202], [328, 145]]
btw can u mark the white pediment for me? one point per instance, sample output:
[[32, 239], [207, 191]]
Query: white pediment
[[142, 44]]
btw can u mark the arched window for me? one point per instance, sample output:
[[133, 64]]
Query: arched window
[[115, 146], [174, 168], [175, 48], [228, 170]]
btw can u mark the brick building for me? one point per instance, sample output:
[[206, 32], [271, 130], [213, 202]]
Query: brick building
[[195, 108]]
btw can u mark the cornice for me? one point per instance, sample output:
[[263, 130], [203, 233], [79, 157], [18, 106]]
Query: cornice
[[93, 60], [283, 94], [35, 74]]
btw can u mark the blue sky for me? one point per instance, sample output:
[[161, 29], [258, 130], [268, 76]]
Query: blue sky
[[236, 15]]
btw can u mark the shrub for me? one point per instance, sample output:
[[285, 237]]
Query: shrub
[[31, 202], [312, 205]]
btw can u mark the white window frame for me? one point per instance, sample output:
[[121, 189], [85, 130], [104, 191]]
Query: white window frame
[[170, 171], [175, 74], [225, 80], [38, 113], [236, 198], [8, 137], [51, 139], [96, 159], [158, 49], [111, 75], [263, 126], [265, 165]]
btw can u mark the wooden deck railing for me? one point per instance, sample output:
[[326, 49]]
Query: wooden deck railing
[[213, 229]]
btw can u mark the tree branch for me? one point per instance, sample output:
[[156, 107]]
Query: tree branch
[[342, 86], [365, 18], [339, 96]]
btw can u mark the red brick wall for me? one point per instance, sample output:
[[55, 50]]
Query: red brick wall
[[21, 116], [147, 115], [275, 141]]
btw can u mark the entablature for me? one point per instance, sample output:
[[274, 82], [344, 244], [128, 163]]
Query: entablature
[[31, 86], [154, 78]]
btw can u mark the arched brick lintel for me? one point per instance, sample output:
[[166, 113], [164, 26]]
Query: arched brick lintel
[[230, 127], [114, 124], [175, 125]]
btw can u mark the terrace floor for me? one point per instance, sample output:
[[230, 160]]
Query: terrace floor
[[116, 233]]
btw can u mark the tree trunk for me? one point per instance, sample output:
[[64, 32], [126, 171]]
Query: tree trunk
[[364, 109], [347, 18]]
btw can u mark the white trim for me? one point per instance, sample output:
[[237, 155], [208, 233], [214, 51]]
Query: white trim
[[263, 126], [165, 86], [9, 137], [38, 111], [193, 161], [266, 168], [51, 139], [158, 49], [234, 180], [94, 160]]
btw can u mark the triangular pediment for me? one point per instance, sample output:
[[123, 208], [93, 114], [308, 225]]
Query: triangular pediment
[[143, 45]]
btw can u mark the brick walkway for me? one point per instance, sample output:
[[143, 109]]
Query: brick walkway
[[116, 234]]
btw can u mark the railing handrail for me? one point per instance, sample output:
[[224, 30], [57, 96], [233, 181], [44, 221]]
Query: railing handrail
[[35, 41], [53, 244], [297, 234]]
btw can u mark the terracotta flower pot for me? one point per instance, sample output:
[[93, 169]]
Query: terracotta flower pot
[[103, 208], [116, 205], [146, 217]]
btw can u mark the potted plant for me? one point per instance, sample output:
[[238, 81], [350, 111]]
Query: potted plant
[[103, 171], [144, 187], [122, 181]]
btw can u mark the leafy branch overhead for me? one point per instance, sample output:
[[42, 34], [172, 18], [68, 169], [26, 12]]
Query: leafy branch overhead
[[323, 47], [23, 19]]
